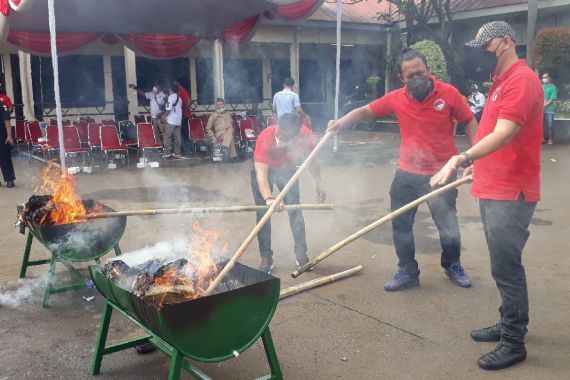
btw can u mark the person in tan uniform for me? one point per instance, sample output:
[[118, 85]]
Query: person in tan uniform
[[220, 128]]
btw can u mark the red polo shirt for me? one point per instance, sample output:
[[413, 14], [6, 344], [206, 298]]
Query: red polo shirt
[[185, 96], [426, 127], [516, 95], [267, 152]]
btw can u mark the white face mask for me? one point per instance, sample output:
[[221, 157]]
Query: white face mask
[[544, 80], [281, 143], [220, 110], [155, 89]]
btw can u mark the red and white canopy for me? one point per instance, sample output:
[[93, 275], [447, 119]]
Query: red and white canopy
[[156, 28]]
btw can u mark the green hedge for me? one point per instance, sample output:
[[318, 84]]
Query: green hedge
[[435, 58]]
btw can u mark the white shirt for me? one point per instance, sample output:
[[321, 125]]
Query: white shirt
[[156, 101], [476, 102], [285, 102], [174, 105]]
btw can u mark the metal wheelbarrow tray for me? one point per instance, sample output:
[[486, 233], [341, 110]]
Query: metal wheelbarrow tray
[[73, 242], [206, 329]]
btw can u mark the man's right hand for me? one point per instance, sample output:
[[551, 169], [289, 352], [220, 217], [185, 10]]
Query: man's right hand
[[334, 127], [280, 207]]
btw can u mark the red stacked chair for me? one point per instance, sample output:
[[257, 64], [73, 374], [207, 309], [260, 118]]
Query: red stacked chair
[[139, 119], [109, 122], [83, 130], [148, 119], [196, 132], [72, 144], [19, 133], [110, 142], [128, 133], [94, 136], [146, 140], [33, 134], [52, 140], [255, 123], [247, 133]]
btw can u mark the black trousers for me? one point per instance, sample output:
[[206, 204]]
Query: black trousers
[[506, 229], [406, 188], [186, 146], [6, 159], [280, 178]]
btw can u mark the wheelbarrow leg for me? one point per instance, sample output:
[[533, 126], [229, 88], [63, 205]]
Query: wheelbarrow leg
[[51, 273], [26, 258], [175, 365], [271, 355], [101, 339], [117, 249]]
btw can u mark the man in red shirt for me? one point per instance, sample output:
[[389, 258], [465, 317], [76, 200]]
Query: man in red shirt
[[425, 109], [506, 179], [186, 114], [278, 151]]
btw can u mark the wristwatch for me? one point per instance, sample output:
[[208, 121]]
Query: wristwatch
[[468, 160]]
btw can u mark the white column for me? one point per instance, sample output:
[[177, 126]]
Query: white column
[[218, 62], [26, 83], [131, 77], [193, 80], [108, 75], [266, 72], [294, 58], [9, 81]]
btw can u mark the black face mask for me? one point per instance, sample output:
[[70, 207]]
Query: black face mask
[[419, 87], [491, 56]]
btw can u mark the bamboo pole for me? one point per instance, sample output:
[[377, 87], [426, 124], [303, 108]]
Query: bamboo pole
[[318, 282], [267, 215], [377, 224], [201, 210]]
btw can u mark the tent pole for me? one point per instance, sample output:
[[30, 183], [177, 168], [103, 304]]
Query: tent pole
[[337, 80], [53, 43]]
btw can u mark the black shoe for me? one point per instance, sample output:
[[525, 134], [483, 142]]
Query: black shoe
[[487, 334], [502, 356], [266, 265], [302, 260], [145, 348], [10, 184]]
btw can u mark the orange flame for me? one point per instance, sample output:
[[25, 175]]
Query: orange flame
[[191, 281], [66, 205]]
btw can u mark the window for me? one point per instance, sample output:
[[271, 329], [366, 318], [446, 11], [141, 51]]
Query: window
[[280, 70], [311, 82], [205, 81], [163, 72], [243, 80], [81, 81]]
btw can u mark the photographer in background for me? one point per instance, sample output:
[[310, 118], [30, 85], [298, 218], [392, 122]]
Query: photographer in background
[[157, 100]]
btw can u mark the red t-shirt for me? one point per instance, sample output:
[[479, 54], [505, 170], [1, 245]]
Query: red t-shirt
[[185, 96], [7, 101], [517, 95], [426, 127], [267, 152]]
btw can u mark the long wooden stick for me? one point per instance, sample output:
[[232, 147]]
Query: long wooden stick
[[202, 210], [377, 224], [318, 282], [267, 215]]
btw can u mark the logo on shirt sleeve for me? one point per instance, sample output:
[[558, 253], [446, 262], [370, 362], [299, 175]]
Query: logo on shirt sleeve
[[439, 104], [496, 93]]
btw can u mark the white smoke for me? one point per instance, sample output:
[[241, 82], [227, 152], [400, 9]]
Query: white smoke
[[168, 250], [27, 290]]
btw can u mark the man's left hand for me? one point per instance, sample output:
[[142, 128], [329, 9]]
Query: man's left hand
[[9, 140], [449, 169]]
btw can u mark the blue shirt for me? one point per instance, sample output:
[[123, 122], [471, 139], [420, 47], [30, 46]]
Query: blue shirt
[[285, 102]]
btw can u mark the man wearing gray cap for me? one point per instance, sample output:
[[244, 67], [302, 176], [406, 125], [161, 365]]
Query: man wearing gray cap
[[506, 179]]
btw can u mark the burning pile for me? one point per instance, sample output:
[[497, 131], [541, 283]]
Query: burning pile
[[63, 206], [166, 281]]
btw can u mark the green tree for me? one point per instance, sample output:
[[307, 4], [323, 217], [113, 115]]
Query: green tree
[[552, 48], [435, 58]]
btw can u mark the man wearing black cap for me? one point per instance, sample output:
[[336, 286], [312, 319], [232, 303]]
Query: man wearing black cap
[[506, 179]]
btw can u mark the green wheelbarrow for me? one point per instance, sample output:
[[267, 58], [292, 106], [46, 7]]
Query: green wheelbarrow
[[207, 329], [72, 243]]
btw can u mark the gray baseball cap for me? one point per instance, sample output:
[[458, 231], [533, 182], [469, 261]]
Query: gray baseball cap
[[493, 29]]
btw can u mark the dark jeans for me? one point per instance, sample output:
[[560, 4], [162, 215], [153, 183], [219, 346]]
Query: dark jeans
[[280, 178], [406, 188], [6, 160], [506, 229]]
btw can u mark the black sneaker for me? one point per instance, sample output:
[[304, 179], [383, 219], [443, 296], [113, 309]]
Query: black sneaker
[[266, 264], [145, 348], [502, 356], [10, 184], [302, 260], [487, 334]]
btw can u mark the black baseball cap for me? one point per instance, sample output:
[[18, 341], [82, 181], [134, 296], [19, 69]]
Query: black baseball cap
[[493, 29]]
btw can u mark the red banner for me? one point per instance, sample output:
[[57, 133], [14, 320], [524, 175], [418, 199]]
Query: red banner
[[160, 45], [39, 43]]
